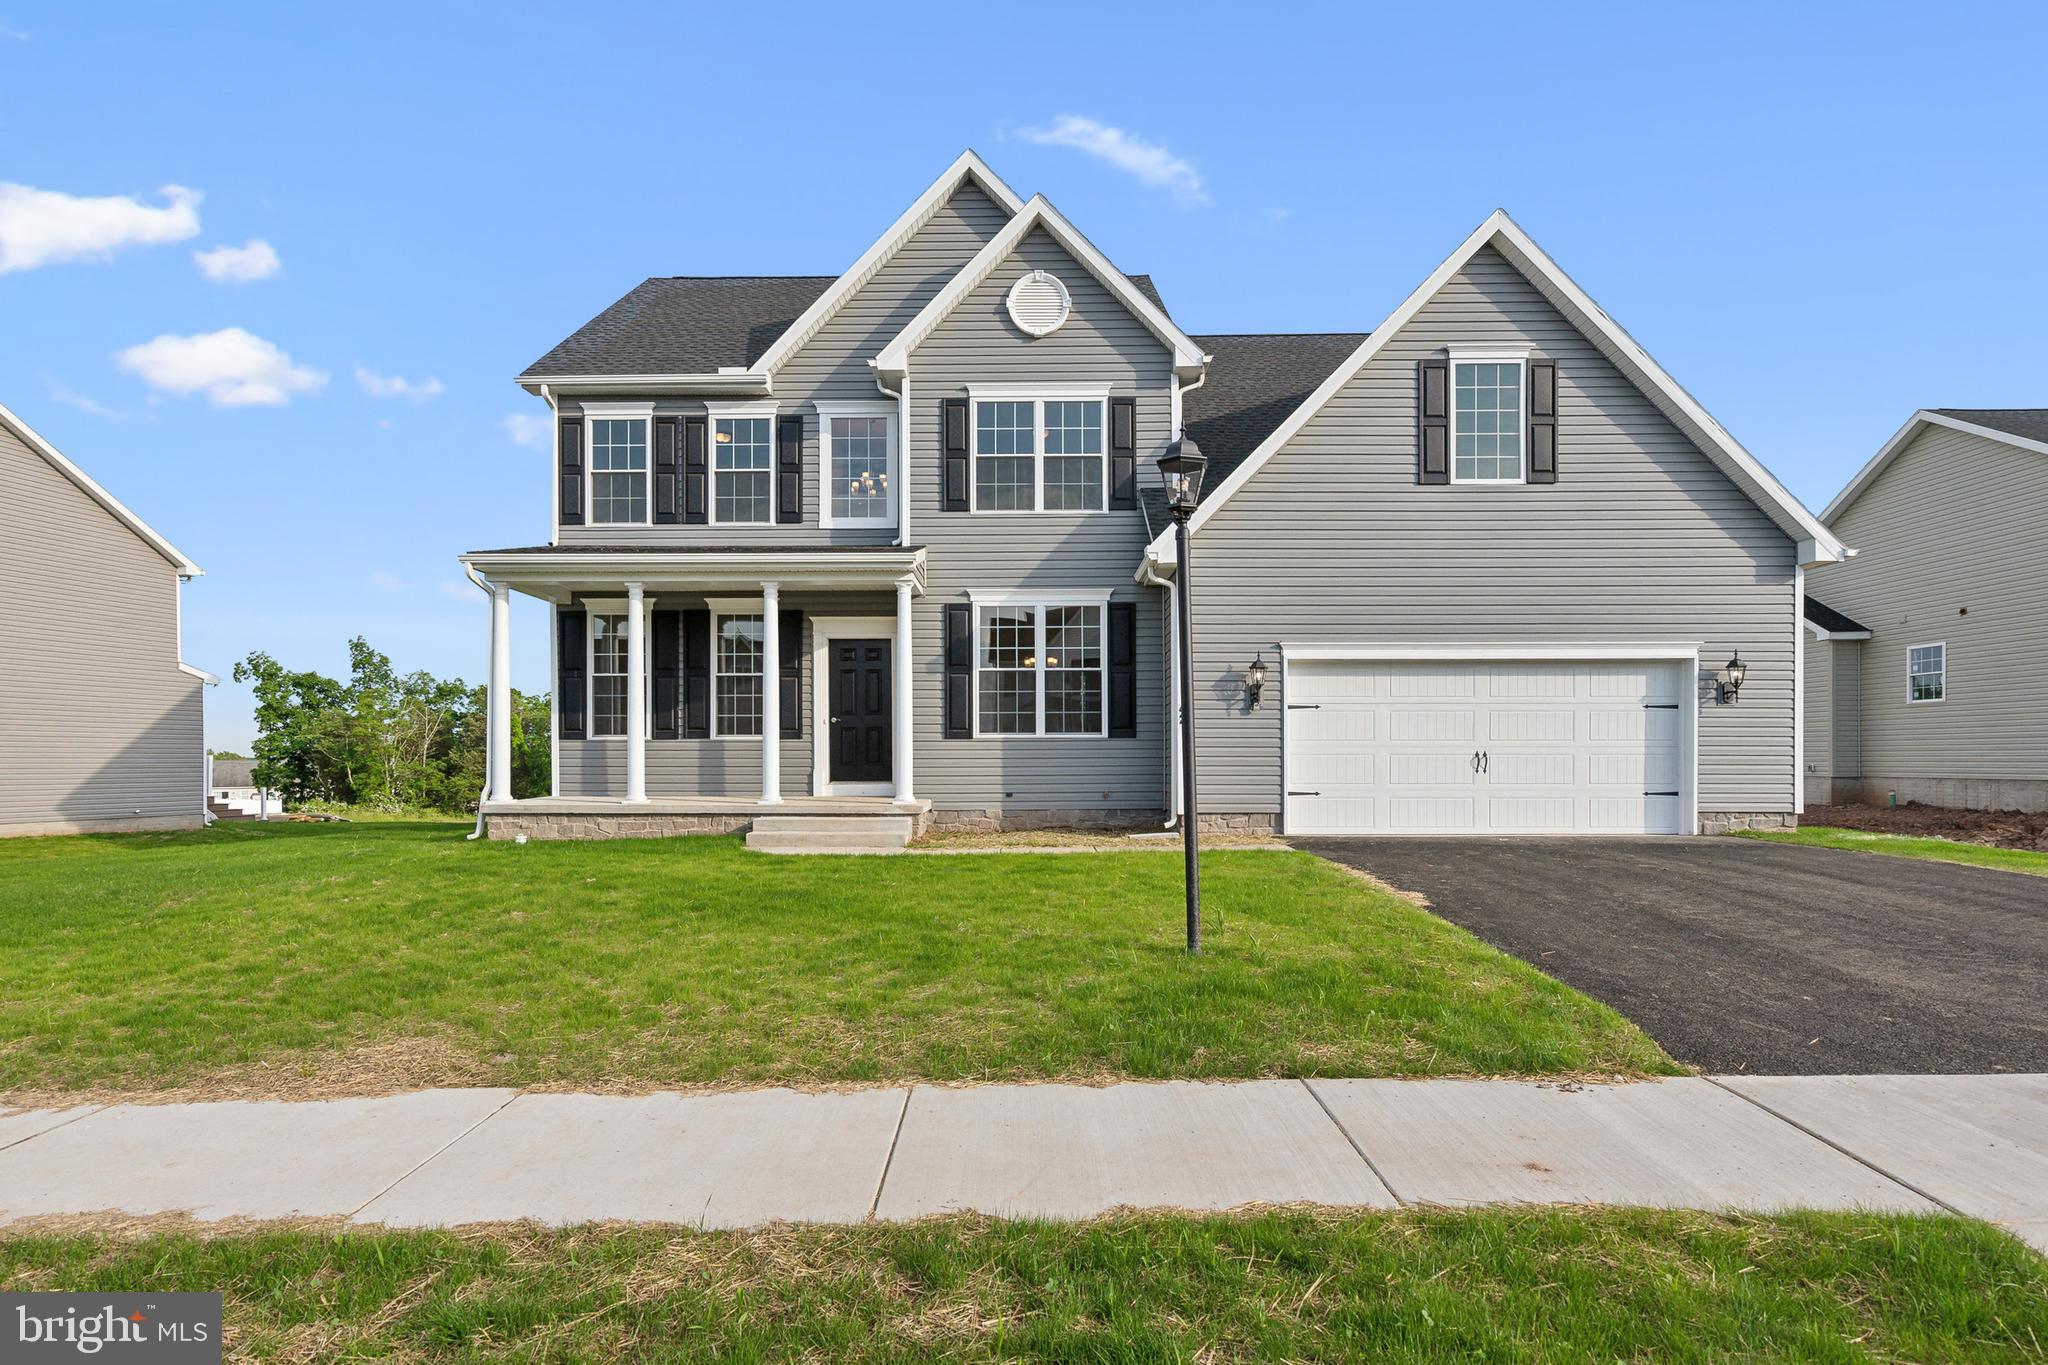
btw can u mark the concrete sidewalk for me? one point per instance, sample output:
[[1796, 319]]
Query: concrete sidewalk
[[1974, 1144]]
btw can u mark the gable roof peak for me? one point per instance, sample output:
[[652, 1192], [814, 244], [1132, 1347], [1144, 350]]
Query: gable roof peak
[[33, 440], [2022, 428]]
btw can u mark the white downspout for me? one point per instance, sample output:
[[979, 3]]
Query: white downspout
[[902, 397]]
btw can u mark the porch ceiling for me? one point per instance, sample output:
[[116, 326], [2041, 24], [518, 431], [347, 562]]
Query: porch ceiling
[[557, 572]]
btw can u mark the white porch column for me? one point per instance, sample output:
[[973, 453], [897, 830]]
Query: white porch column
[[771, 694], [900, 714], [498, 737], [636, 693]]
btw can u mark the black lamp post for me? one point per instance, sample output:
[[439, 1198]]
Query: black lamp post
[[1182, 466]]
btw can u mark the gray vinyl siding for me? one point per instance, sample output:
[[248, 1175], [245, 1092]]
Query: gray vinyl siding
[[99, 728], [1952, 525], [1817, 719], [1641, 539], [1102, 342], [832, 367], [1846, 740]]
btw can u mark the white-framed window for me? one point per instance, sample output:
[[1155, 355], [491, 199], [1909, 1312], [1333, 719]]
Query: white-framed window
[[1926, 672], [1487, 414], [617, 462], [1040, 668], [607, 675], [743, 469], [737, 658], [857, 464], [1040, 452]]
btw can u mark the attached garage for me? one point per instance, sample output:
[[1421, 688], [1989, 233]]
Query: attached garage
[[1464, 742]]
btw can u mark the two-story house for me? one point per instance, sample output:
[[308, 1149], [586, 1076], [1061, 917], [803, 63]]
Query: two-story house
[[892, 543]]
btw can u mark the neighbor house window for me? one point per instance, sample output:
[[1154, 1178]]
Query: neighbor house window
[[607, 675], [859, 488], [1038, 455], [1927, 672], [739, 675], [742, 477], [618, 470], [1486, 434], [1040, 670]]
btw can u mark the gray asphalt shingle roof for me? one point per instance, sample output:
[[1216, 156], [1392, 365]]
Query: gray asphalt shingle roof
[[2028, 423], [1828, 619]]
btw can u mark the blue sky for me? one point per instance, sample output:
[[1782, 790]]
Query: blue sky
[[1818, 217]]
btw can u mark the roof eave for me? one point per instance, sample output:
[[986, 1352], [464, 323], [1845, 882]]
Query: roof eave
[[30, 437], [751, 381], [1889, 451]]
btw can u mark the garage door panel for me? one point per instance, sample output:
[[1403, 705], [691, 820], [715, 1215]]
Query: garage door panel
[[1558, 724], [1531, 680], [1531, 814], [1631, 814], [1412, 683], [1415, 725], [1327, 772], [1431, 769], [1334, 724], [1431, 814], [1531, 768], [1331, 815]]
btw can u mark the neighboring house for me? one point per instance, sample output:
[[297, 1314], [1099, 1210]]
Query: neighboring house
[[100, 720], [894, 541], [1937, 639], [231, 790]]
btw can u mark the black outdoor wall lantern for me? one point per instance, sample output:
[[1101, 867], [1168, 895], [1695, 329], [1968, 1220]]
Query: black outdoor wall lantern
[[1255, 681], [1728, 682]]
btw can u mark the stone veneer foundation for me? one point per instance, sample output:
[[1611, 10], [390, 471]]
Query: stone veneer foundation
[[1728, 821]]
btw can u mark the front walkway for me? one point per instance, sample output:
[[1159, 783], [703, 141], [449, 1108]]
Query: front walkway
[[1976, 1145]]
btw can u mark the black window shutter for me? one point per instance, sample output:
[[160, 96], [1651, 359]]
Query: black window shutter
[[696, 674], [792, 648], [1542, 421], [696, 476], [1123, 669], [1123, 452], [953, 429], [959, 670], [1433, 410], [789, 469], [667, 506], [667, 654], [569, 706], [569, 447]]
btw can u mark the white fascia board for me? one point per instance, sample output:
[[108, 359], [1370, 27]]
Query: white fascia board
[[1914, 425], [1501, 232], [185, 567], [673, 385], [926, 207], [1819, 634], [894, 358], [210, 679], [1303, 652]]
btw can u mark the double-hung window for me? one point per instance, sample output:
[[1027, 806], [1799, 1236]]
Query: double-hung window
[[1486, 420], [742, 469], [607, 675], [737, 694], [1040, 669], [1926, 672], [858, 464], [1038, 454], [618, 467]]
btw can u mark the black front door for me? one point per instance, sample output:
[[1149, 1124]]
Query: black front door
[[860, 711]]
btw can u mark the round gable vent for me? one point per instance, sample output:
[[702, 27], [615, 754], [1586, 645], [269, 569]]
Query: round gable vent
[[1039, 303]]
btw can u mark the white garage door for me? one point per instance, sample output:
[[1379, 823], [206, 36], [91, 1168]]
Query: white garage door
[[1485, 748]]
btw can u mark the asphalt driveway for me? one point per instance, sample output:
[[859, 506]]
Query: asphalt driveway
[[1739, 955]]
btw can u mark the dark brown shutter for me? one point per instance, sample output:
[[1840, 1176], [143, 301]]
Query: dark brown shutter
[[953, 431], [1433, 410], [667, 656], [667, 504], [569, 449], [1123, 669], [570, 628], [696, 674], [1123, 452], [959, 670], [696, 476], [1542, 421], [789, 469], [792, 672]]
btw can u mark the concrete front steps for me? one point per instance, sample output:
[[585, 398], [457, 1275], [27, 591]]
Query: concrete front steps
[[830, 834]]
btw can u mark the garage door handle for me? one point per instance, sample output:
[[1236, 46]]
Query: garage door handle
[[1304, 706], [1304, 793], [1486, 762], [1475, 760]]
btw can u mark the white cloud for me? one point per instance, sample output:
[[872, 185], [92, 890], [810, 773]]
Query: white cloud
[[71, 398], [254, 260], [1150, 162], [526, 429], [387, 582], [394, 386], [44, 227], [233, 368]]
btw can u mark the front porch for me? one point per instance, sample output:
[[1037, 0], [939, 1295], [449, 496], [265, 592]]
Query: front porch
[[698, 691]]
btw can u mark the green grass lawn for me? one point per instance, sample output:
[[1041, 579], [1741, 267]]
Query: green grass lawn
[[308, 959], [1904, 846], [1496, 1285]]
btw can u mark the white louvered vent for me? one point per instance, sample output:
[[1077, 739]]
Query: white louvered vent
[[1039, 303]]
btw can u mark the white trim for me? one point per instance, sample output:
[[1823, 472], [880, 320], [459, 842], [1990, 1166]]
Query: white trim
[[1037, 398], [1057, 393], [771, 693], [616, 408], [592, 609], [1594, 652], [1798, 693], [1085, 598], [824, 630], [1040, 604], [869, 408], [748, 411], [1911, 700], [1066, 302], [1925, 417], [210, 679], [185, 567], [1521, 432], [1460, 353], [756, 612], [1504, 234], [1817, 633], [592, 413], [894, 358]]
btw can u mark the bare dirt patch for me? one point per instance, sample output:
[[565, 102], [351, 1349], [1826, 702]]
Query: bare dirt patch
[[1991, 828]]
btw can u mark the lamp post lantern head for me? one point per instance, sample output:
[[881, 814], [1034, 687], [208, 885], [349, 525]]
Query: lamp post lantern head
[[1182, 467], [1255, 681]]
